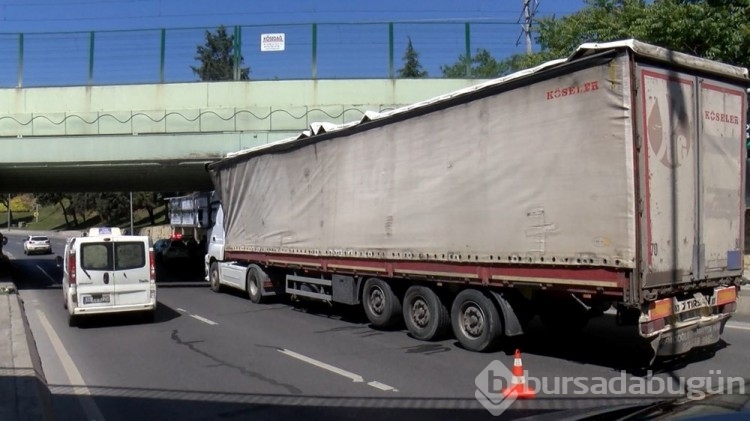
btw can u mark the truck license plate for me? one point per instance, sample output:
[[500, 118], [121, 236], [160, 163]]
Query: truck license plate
[[96, 299]]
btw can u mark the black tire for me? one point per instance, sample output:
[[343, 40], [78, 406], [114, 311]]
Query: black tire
[[213, 277], [476, 322], [381, 305], [253, 286], [425, 314], [65, 303], [72, 320]]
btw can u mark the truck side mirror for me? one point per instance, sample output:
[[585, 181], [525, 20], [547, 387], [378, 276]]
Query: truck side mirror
[[5, 240], [59, 261]]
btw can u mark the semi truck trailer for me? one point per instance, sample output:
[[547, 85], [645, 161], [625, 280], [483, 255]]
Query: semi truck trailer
[[611, 180]]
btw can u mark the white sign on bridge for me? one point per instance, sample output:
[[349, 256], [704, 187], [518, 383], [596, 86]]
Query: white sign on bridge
[[272, 42]]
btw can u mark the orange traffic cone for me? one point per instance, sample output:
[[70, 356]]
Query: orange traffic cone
[[518, 381]]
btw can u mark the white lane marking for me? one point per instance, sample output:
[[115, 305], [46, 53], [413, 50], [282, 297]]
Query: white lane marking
[[382, 386], [203, 319], [181, 310], [738, 325], [354, 377], [46, 274], [74, 376]]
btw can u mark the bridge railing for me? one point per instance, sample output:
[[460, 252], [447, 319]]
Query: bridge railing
[[312, 51]]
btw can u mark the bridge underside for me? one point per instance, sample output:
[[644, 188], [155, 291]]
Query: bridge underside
[[99, 177]]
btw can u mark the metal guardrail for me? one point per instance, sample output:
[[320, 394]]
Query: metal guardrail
[[330, 50]]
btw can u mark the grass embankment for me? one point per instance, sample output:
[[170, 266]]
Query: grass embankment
[[51, 218]]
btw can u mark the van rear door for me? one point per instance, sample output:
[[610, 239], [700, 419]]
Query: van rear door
[[95, 275], [132, 274]]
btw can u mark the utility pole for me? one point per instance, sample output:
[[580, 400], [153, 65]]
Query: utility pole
[[529, 10]]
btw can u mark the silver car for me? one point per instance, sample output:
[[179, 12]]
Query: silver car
[[37, 244]]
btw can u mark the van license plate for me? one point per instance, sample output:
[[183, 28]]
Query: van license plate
[[96, 299]]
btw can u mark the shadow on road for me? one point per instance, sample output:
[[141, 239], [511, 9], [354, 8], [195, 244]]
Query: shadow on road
[[164, 314], [605, 344]]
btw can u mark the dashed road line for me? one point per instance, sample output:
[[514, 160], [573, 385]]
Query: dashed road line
[[356, 378], [382, 386], [197, 317], [204, 320]]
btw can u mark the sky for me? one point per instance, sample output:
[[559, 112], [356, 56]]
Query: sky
[[352, 36]]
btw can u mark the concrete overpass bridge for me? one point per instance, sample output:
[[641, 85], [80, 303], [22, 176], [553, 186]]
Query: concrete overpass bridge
[[158, 137]]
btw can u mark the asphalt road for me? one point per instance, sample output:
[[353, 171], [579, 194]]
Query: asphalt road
[[218, 356]]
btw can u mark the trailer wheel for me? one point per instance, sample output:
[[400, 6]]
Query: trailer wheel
[[381, 305], [253, 286], [213, 276], [425, 315], [476, 322]]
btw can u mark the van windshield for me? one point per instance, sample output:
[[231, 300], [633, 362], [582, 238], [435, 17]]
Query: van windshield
[[113, 256]]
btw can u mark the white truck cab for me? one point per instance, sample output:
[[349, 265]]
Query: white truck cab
[[107, 272]]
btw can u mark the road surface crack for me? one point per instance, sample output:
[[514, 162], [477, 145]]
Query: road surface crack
[[244, 371]]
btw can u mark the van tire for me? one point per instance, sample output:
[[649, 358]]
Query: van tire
[[72, 320]]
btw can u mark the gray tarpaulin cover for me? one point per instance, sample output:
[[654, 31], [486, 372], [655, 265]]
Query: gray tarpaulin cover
[[540, 173]]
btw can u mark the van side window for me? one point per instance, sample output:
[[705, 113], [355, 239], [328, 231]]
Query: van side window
[[95, 256], [129, 255]]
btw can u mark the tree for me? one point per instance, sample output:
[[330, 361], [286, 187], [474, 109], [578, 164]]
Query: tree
[[412, 67], [5, 201], [483, 66], [147, 201], [47, 199], [217, 58], [714, 29]]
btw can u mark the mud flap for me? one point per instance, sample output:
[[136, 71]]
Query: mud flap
[[511, 324]]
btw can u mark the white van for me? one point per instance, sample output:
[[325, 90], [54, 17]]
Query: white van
[[107, 272]]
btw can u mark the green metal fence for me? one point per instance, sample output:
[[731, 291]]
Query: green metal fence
[[312, 51]]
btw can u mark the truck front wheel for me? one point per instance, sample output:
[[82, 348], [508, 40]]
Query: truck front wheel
[[381, 305], [425, 315], [476, 322], [213, 277]]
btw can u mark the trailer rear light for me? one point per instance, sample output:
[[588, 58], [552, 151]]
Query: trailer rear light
[[152, 265], [726, 295], [72, 268], [660, 309], [653, 326]]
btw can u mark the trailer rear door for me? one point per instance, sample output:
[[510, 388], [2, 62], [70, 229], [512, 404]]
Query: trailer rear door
[[693, 173]]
